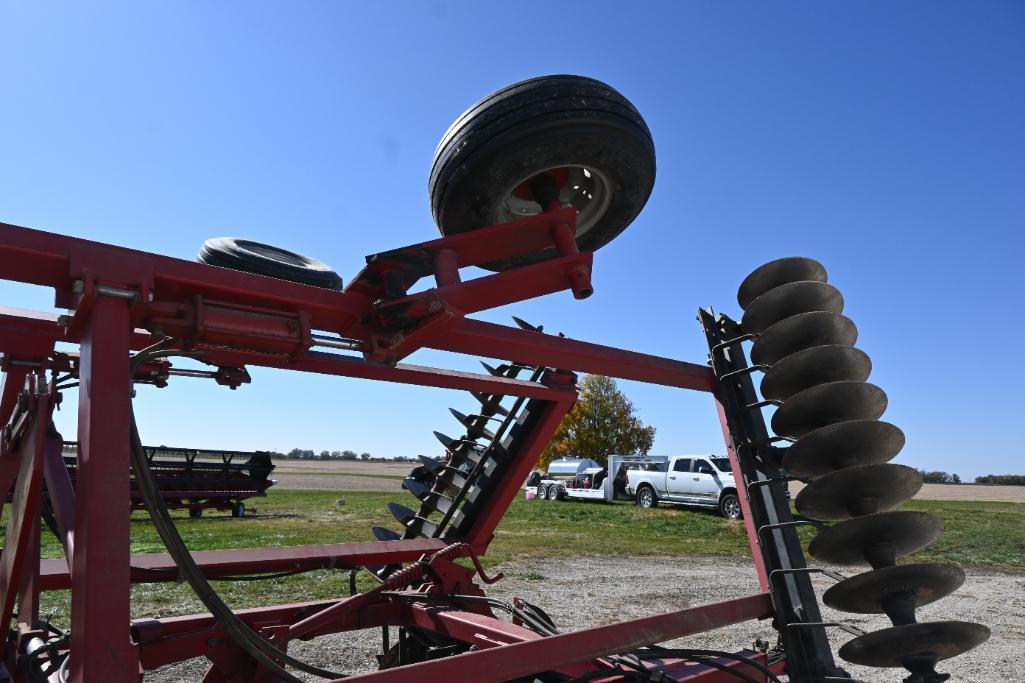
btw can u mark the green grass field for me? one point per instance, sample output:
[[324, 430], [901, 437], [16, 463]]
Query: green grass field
[[990, 535]]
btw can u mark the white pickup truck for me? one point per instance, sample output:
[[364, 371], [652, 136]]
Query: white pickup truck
[[687, 480]]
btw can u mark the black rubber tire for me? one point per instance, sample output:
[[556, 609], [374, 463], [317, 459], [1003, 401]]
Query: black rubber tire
[[642, 501], [542, 492], [532, 126], [264, 259], [729, 506], [238, 509], [195, 513]]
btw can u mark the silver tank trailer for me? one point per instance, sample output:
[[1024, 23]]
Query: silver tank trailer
[[566, 469]]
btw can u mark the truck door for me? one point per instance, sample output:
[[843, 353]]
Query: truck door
[[705, 485], [678, 483]]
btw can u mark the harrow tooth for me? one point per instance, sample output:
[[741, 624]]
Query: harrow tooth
[[470, 425], [450, 443], [383, 534], [869, 592], [450, 476], [813, 366], [524, 325], [859, 490], [434, 499], [486, 401], [789, 300], [916, 647], [423, 527], [802, 331], [844, 444], [779, 272], [497, 372], [827, 404], [413, 522], [878, 539], [401, 513]]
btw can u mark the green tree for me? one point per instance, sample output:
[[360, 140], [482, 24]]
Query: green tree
[[602, 423]]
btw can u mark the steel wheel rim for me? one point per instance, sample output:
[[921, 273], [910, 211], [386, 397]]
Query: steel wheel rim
[[731, 506], [646, 498], [585, 189]]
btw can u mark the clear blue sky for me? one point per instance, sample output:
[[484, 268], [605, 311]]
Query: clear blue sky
[[885, 139]]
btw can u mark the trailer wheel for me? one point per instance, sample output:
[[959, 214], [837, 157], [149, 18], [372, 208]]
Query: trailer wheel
[[542, 492], [560, 493], [729, 506], [263, 259], [195, 513], [238, 509], [577, 130], [646, 497]]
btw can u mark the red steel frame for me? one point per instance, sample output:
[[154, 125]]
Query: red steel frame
[[117, 298]]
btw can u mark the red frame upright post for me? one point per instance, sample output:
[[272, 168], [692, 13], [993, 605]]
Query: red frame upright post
[[101, 564]]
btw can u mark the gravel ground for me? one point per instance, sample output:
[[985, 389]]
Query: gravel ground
[[593, 591]]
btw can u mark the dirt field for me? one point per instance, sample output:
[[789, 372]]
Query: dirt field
[[586, 592], [999, 494], [379, 476], [340, 476]]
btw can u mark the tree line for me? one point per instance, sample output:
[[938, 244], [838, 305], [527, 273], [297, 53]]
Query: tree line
[[989, 479], [309, 454]]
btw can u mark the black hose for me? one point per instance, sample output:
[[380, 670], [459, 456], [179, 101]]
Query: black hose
[[240, 632]]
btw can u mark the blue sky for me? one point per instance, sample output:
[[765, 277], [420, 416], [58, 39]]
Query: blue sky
[[884, 139]]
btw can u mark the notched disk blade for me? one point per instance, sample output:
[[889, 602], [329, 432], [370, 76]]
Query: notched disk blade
[[776, 273], [898, 645], [810, 367], [828, 404], [859, 490], [855, 540], [788, 300], [844, 444], [922, 583], [802, 331]]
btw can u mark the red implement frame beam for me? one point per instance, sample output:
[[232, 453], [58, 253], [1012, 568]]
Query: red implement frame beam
[[156, 567], [478, 338], [521, 659], [100, 596]]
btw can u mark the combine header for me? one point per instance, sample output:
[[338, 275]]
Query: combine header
[[527, 183], [196, 480]]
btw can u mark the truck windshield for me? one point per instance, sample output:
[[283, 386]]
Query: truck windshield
[[722, 463]]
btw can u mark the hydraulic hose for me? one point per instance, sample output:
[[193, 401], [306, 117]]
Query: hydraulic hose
[[240, 632]]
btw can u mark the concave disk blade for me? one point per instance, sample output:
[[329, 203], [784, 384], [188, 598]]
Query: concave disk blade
[[776, 273], [850, 541], [828, 404], [790, 299], [864, 593], [858, 490], [891, 647], [802, 331], [845, 444], [810, 367]]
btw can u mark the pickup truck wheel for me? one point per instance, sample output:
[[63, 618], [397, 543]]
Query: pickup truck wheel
[[729, 506], [646, 497]]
